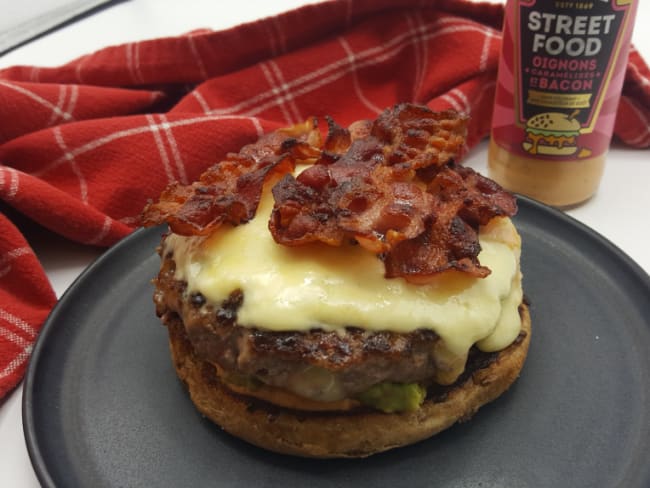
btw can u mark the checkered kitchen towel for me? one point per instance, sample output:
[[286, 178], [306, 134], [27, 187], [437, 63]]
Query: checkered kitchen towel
[[83, 146]]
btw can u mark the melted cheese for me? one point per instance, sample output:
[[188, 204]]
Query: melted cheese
[[299, 288]]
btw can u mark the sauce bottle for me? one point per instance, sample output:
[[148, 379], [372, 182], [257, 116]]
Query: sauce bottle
[[560, 78]]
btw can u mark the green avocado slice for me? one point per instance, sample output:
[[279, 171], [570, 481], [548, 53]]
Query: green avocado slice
[[393, 397]]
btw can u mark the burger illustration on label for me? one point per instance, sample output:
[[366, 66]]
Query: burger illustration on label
[[554, 134]]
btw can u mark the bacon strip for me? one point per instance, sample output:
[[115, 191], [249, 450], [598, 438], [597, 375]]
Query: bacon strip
[[390, 185], [397, 192], [416, 138], [464, 200], [230, 190]]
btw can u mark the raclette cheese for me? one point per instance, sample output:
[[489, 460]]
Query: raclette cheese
[[320, 286]]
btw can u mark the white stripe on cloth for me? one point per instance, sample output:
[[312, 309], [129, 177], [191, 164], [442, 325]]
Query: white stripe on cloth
[[271, 37], [17, 322], [466, 106], [129, 59], [132, 51], [103, 232], [133, 220], [484, 90], [201, 101], [35, 74], [284, 88], [451, 101], [642, 78], [149, 127], [418, 31], [37, 98], [72, 103], [164, 157], [11, 189], [13, 337], [136, 62], [9, 257], [489, 35], [197, 57], [59, 105], [281, 36], [178, 160], [258, 126], [17, 362], [83, 185], [280, 100], [417, 77], [421, 29], [80, 64], [355, 80]]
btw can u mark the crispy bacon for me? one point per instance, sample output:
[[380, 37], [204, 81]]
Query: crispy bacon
[[445, 245], [230, 190], [478, 198], [416, 138], [390, 185], [338, 139], [397, 192], [464, 201]]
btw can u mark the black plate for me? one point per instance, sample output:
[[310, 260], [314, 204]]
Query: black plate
[[102, 405]]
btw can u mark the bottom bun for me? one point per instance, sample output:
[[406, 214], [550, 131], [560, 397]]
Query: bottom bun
[[356, 433]]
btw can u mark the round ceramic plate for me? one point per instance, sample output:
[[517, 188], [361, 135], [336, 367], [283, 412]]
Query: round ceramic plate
[[103, 406]]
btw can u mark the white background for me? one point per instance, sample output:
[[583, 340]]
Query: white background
[[619, 211]]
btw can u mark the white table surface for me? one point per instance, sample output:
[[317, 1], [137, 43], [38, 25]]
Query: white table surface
[[619, 211]]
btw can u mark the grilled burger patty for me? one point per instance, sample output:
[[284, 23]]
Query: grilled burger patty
[[319, 365]]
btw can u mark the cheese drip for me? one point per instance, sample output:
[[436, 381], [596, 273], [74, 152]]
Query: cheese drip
[[304, 287]]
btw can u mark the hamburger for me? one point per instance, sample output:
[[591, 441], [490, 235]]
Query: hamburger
[[342, 295], [552, 134]]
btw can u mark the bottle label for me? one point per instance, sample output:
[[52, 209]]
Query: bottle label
[[560, 76]]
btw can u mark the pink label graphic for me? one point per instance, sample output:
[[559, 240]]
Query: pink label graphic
[[560, 76]]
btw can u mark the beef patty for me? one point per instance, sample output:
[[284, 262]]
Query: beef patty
[[320, 365]]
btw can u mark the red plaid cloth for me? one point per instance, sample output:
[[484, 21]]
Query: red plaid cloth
[[83, 146]]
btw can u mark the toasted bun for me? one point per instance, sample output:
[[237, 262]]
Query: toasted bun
[[356, 433]]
